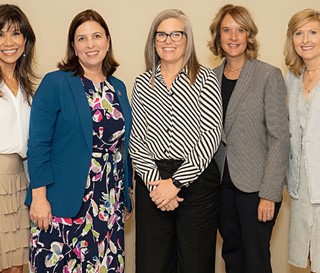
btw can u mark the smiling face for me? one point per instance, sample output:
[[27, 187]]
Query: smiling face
[[171, 52], [12, 43], [306, 41], [91, 45], [233, 38]]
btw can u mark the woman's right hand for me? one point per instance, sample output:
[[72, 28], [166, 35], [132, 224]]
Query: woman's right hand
[[40, 209], [173, 204]]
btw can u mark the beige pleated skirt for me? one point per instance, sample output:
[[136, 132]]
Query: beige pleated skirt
[[14, 215]]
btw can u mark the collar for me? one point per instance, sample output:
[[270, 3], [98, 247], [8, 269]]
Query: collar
[[158, 75]]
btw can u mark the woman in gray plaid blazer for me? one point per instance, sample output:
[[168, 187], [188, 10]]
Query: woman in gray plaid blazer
[[253, 153]]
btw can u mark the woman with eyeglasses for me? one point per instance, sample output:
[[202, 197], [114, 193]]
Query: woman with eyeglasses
[[176, 130]]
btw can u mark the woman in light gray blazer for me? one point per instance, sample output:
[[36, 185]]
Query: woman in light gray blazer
[[253, 153], [303, 82]]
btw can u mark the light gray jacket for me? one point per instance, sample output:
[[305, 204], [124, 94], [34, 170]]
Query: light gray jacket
[[311, 141], [256, 136]]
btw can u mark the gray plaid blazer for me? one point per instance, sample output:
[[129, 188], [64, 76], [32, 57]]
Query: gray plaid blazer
[[255, 139]]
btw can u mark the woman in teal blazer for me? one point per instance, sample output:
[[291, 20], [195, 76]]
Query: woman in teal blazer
[[59, 152], [80, 170]]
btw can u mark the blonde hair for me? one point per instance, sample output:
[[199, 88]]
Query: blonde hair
[[293, 60], [190, 58], [243, 17]]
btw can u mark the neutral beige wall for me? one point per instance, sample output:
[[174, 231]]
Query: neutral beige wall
[[129, 21]]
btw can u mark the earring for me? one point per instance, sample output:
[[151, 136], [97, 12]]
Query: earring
[[24, 54], [76, 53]]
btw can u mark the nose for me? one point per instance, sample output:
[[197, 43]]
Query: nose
[[233, 35], [168, 40], [305, 38], [8, 40], [90, 43]]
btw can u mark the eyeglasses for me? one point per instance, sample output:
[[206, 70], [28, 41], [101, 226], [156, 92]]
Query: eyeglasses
[[175, 36]]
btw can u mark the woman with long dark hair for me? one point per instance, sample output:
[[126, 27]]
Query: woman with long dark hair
[[17, 79]]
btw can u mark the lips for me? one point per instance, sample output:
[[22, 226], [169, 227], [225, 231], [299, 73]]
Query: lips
[[306, 47], [168, 48], [92, 53], [233, 45], [9, 52]]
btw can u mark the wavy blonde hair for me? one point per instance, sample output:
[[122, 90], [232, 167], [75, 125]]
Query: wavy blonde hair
[[293, 60], [243, 17]]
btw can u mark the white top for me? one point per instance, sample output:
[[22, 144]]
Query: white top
[[14, 122]]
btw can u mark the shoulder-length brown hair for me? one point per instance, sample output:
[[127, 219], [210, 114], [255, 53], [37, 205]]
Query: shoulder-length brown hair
[[71, 62], [190, 58], [292, 59], [243, 17], [13, 17]]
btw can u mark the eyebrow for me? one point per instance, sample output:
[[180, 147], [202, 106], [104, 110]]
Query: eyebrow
[[97, 32]]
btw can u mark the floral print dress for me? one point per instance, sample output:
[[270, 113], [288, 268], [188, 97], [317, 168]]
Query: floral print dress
[[93, 241]]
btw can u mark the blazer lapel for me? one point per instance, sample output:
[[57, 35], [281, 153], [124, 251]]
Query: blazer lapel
[[83, 108], [239, 94]]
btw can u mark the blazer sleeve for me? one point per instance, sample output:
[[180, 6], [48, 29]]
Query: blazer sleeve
[[276, 120], [44, 111]]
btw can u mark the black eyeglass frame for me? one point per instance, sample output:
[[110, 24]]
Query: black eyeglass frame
[[169, 35]]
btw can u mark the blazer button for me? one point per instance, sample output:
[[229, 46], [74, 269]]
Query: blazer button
[[290, 156], [290, 135]]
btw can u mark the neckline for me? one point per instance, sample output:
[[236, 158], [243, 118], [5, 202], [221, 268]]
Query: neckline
[[10, 93], [231, 80]]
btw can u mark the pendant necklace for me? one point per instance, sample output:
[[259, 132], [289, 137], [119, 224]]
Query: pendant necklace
[[308, 80], [234, 71]]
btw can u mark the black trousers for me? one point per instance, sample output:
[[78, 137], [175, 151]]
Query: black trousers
[[246, 241], [183, 240]]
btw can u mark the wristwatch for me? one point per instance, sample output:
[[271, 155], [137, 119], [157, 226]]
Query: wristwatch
[[178, 184]]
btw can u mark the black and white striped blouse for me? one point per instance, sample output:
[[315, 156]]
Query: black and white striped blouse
[[183, 123]]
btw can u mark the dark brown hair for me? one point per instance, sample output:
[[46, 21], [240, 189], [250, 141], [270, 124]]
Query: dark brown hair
[[71, 62], [13, 16]]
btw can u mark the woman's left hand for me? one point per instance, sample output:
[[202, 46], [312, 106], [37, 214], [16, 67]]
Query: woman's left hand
[[164, 192], [265, 210]]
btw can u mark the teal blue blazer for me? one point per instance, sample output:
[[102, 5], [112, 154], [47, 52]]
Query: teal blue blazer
[[60, 141]]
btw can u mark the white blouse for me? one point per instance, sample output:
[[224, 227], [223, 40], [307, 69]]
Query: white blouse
[[14, 122]]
